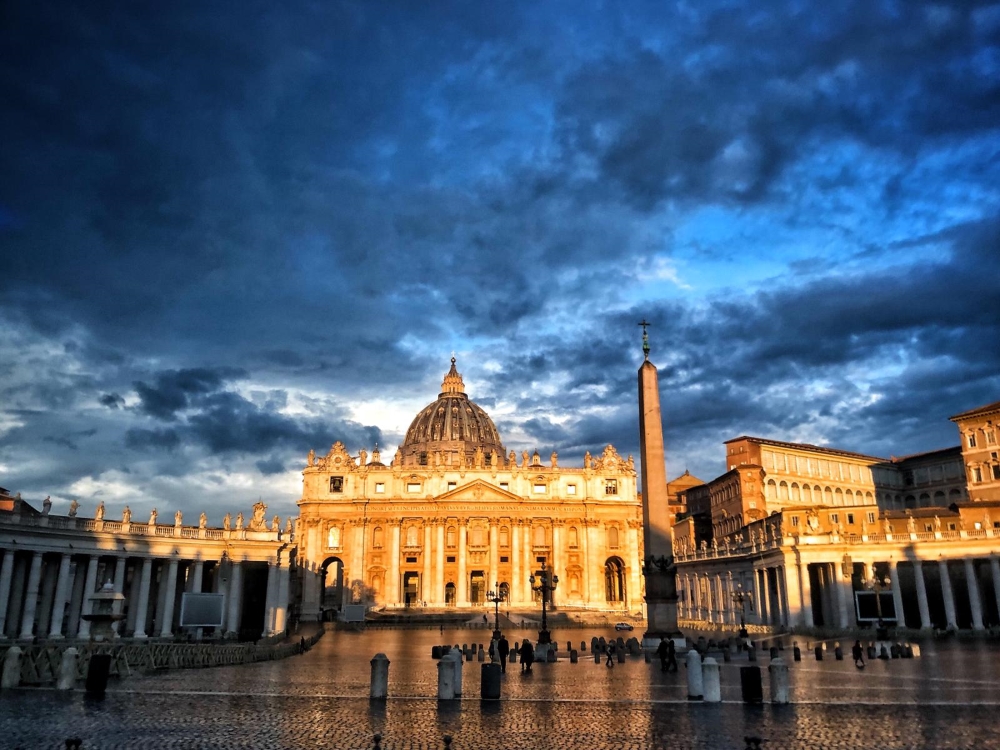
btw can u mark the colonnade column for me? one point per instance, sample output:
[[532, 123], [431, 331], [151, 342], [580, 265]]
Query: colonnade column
[[281, 603], [426, 592], [358, 556], [528, 562], [514, 592], [793, 597], [462, 589], [31, 596], [764, 589], [925, 610], [270, 599], [494, 553], [897, 592], [142, 604], [949, 597], [233, 598], [86, 606], [721, 592], [781, 590], [60, 597], [807, 612], [167, 624], [392, 585], [6, 576], [975, 603], [842, 599], [585, 558]]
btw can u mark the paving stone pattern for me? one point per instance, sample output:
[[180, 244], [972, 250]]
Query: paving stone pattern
[[946, 699]]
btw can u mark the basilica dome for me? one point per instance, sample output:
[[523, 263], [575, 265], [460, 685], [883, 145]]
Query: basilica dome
[[452, 430]]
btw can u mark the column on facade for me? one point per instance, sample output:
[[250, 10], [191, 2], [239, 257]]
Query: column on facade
[[585, 562], [635, 565], [709, 598], [684, 602], [358, 557], [195, 577], [439, 561], [6, 577], [142, 600], [462, 588], [781, 586], [426, 592], [494, 576], [922, 605], [793, 595], [841, 583], [723, 604], [731, 616], [31, 595], [994, 569], [86, 606], [948, 595], [897, 593], [119, 585], [806, 583], [556, 560], [392, 584], [234, 597], [975, 603], [170, 585], [529, 561], [60, 598], [515, 588]]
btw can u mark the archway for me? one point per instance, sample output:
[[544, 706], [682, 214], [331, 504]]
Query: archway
[[449, 595], [614, 580], [332, 588], [411, 589]]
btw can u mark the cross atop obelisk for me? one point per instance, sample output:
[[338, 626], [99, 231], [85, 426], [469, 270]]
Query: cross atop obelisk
[[658, 568]]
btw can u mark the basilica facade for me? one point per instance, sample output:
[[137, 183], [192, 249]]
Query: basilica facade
[[453, 516]]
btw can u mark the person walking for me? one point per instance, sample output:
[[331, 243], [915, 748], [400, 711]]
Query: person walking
[[527, 654], [503, 649], [494, 653], [858, 652], [667, 653], [611, 655]]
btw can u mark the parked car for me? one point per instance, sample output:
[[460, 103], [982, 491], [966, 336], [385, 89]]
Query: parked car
[[624, 626]]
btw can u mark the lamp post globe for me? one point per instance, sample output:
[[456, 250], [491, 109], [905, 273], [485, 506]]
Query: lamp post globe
[[495, 596], [544, 583]]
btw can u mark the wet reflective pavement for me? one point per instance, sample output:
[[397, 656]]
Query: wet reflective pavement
[[946, 698]]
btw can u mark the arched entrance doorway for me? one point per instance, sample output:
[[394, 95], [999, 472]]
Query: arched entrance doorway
[[614, 580], [332, 592], [449, 595]]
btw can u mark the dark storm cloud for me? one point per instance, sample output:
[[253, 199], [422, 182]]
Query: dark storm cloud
[[174, 391], [112, 400]]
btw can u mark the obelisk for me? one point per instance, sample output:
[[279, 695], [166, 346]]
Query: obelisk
[[658, 566]]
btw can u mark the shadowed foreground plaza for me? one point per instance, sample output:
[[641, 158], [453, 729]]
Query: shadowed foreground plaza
[[944, 699]]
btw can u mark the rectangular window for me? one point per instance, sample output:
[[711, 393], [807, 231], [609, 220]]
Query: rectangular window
[[450, 558], [505, 485], [379, 488], [538, 489], [996, 471], [413, 486], [871, 518], [452, 485], [850, 518], [504, 558], [571, 489], [834, 518], [611, 487], [336, 484], [952, 527], [990, 437], [411, 559], [977, 474], [972, 441], [795, 520]]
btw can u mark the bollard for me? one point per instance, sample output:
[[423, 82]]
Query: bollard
[[550, 656], [67, 670], [446, 677], [574, 656], [97, 673], [773, 652], [569, 646], [489, 682], [696, 684], [752, 653], [471, 653], [710, 680], [458, 677], [11, 668], [482, 654], [819, 653], [883, 652], [726, 656], [435, 652], [871, 652], [648, 655], [583, 646], [620, 653], [838, 653], [380, 677], [908, 652], [750, 685], [597, 657], [513, 653], [594, 644], [796, 652], [895, 651], [779, 680]]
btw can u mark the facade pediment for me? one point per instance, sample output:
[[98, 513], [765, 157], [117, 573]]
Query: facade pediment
[[478, 491]]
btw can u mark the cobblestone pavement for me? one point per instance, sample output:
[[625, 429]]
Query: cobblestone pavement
[[947, 698]]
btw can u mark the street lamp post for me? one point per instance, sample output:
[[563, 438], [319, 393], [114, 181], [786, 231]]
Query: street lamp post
[[545, 584], [740, 597], [495, 596], [877, 584]]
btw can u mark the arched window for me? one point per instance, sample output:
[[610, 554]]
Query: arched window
[[849, 497], [411, 536], [783, 492], [613, 537], [838, 497], [504, 537], [574, 538], [772, 490], [333, 537], [377, 537], [452, 537], [614, 580], [796, 493], [574, 583], [828, 496]]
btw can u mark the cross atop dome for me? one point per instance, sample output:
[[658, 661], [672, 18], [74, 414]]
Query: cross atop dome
[[453, 382]]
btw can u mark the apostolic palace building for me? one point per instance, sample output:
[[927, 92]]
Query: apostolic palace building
[[791, 536]]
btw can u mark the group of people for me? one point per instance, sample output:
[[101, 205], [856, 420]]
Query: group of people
[[500, 652]]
